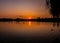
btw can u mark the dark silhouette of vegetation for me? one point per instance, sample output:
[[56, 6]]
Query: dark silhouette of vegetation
[[54, 6], [37, 19]]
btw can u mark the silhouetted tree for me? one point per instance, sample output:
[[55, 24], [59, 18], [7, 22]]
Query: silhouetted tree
[[54, 6], [38, 18]]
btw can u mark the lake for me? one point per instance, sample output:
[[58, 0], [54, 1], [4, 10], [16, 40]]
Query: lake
[[30, 31]]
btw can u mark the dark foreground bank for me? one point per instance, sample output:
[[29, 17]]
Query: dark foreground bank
[[27, 39]]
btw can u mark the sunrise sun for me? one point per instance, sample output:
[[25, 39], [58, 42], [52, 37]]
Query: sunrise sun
[[29, 18]]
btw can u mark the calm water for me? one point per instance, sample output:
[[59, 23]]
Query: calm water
[[42, 30]]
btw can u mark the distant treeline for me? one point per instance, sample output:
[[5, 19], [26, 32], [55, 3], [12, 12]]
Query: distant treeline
[[37, 19]]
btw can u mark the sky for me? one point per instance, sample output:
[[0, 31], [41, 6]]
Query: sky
[[23, 8]]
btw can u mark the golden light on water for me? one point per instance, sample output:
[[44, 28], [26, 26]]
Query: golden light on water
[[29, 23]]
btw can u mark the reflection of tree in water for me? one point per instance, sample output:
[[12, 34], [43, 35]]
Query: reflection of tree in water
[[57, 39], [56, 24], [54, 6]]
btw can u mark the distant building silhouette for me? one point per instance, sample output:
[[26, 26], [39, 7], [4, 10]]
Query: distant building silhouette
[[54, 6]]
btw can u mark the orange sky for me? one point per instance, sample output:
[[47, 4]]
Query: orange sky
[[24, 9]]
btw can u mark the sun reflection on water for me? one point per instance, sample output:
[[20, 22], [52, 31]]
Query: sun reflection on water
[[29, 23]]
